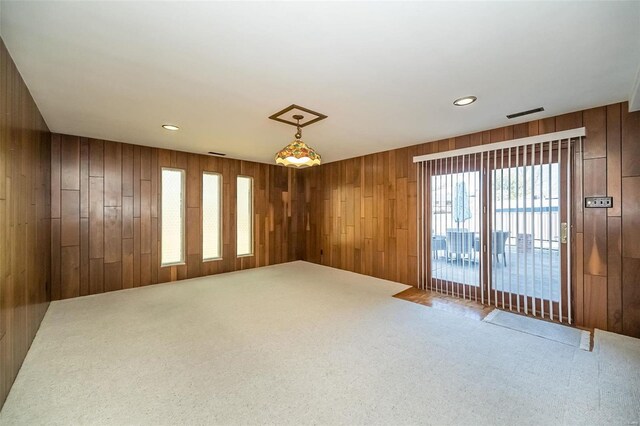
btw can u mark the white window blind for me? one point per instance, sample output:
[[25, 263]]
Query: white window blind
[[172, 216], [211, 217], [494, 222], [244, 216]]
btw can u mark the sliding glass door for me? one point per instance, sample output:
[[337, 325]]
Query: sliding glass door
[[527, 219], [494, 227], [455, 229]]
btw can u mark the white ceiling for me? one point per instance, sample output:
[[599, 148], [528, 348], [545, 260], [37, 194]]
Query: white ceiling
[[385, 73]]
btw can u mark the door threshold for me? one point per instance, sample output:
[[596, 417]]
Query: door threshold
[[463, 307], [542, 327]]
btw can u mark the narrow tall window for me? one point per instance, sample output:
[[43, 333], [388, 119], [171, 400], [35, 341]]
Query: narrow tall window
[[244, 216], [211, 218], [172, 216]]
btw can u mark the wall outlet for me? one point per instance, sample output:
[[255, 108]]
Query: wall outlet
[[598, 202]]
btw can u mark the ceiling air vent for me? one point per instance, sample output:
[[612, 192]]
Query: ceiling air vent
[[520, 114], [220, 154]]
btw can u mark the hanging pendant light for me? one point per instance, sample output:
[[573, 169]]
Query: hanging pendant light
[[297, 153]]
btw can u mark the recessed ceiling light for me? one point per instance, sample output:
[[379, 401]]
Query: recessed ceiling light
[[467, 100], [170, 127]]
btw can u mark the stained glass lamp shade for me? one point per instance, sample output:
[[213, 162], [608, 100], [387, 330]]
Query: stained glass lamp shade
[[298, 154]]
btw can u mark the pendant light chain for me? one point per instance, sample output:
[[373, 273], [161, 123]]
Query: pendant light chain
[[298, 134]]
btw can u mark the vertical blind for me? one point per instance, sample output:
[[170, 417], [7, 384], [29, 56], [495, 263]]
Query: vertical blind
[[494, 223]]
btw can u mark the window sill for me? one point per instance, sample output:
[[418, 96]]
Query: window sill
[[167, 265]]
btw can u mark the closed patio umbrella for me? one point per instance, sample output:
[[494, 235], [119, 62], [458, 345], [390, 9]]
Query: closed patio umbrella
[[461, 208]]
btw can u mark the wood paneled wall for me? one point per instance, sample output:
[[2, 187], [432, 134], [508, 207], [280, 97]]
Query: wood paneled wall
[[360, 214], [24, 220], [356, 214], [105, 211]]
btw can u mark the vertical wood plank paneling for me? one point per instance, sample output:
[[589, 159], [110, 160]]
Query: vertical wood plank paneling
[[602, 297], [145, 163], [155, 259], [29, 164], [355, 214], [193, 181], [578, 191], [145, 268], [55, 259], [96, 157], [595, 144], [112, 174], [96, 217], [121, 242], [127, 217], [631, 217], [568, 121], [70, 218], [155, 174], [84, 256], [70, 162], [112, 234], [614, 275], [4, 266], [84, 178], [112, 276], [630, 296], [194, 236], [136, 181], [70, 271], [630, 142], [55, 176], [96, 276], [127, 171], [595, 220], [595, 292], [578, 278], [614, 165], [145, 217], [127, 263], [136, 252]]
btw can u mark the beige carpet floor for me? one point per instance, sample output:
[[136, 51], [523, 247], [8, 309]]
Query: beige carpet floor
[[304, 344]]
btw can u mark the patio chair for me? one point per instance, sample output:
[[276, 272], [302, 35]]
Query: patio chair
[[438, 242], [459, 242], [499, 241]]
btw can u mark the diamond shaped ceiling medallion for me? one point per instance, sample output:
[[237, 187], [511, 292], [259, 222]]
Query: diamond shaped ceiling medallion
[[298, 154]]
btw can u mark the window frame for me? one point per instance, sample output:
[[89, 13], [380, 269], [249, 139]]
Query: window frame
[[184, 218], [221, 216], [251, 216]]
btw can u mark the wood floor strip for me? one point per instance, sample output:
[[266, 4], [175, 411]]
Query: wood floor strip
[[465, 308]]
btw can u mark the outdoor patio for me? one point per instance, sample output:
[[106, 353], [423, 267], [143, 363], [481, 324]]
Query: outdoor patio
[[534, 273]]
